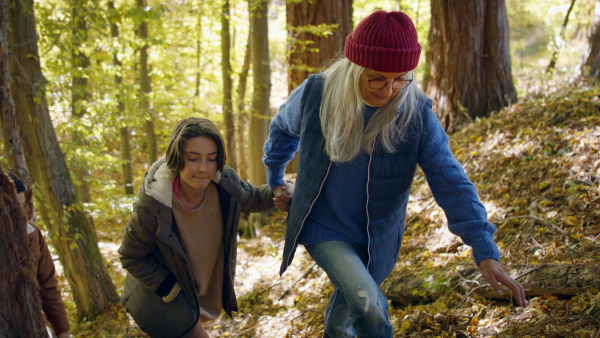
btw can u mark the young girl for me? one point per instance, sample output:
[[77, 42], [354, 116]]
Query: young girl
[[179, 247]]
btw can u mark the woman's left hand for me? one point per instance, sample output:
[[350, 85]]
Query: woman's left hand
[[495, 275]]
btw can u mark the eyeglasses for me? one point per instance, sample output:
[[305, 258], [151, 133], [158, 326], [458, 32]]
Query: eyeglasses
[[397, 84]]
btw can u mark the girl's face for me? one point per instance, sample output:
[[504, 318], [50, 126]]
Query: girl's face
[[200, 162]]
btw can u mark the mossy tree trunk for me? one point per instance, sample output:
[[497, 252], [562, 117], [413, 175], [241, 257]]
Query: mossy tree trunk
[[71, 230]]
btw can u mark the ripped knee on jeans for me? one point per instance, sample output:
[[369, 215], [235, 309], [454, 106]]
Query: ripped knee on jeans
[[362, 293]]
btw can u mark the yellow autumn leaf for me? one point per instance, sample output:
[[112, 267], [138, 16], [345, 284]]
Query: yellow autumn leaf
[[405, 326], [440, 306]]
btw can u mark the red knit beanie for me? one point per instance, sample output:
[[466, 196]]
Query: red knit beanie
[[385, 42]]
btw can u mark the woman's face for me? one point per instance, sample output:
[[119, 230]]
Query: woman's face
[[382, 96], [200, 162]]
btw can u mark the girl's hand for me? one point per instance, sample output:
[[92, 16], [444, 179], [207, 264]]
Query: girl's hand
[[283, 195]]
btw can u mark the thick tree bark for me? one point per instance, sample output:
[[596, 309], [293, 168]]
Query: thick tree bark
[[80, 94], [469, 60], [592, 62], [21, 306], [127, 172], [13, 149], [317, 33], [146, 89], [227, 86], [71, 230], [558, 280]]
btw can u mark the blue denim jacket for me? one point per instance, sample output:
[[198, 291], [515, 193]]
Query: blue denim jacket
[[297, 125]]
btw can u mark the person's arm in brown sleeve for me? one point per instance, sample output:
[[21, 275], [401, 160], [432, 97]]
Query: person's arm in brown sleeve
[[52, 302]]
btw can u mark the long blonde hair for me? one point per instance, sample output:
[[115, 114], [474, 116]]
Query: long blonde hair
[[342, 118]]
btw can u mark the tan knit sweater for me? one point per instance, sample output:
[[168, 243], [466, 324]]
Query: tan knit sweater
[[201, 232]]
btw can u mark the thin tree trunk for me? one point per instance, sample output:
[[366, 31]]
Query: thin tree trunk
[[227, 86], [127, 173], [151, 139], [561, 36], [469, 63], [242, 114], [80, 94], [71, 230], [260, 111], [199, 52], [592, 62], [21, 308]]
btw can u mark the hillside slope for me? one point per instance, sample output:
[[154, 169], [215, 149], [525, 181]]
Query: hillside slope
[[537, 168]]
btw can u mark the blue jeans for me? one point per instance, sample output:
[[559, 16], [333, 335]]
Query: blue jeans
[[357, 305]]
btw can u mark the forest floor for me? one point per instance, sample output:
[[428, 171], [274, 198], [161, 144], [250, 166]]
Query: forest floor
[[537, 168]]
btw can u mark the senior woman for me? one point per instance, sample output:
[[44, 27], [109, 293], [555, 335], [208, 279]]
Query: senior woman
[[363, 127]]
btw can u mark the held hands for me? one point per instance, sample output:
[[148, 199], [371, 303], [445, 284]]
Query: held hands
[[282, 195], [495, 275]]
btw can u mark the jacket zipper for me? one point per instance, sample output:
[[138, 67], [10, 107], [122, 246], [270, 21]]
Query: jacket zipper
[[289, 259], [367, 204]]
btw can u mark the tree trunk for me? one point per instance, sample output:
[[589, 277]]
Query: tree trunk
[[146, 87], [260, 112], [592, 63], [80, 95], [561, 36], [21, 309], [317, 32], [199, 63], [71, 229], [13, 149], [469, 63], [558, 280], [227, 86], [127, 172], [242, 113], [259, 120]]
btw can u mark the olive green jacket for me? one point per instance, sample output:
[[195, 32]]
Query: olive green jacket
[[154, 257]]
